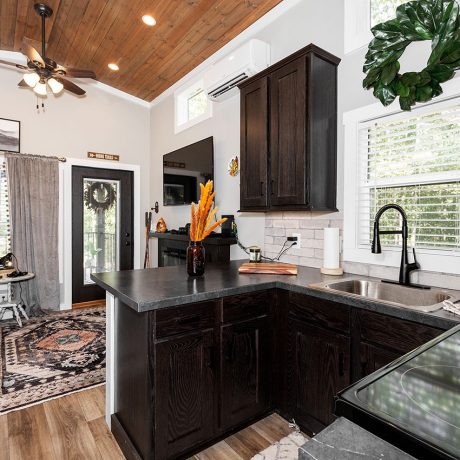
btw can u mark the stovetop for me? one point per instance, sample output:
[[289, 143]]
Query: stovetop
[[419, 394]]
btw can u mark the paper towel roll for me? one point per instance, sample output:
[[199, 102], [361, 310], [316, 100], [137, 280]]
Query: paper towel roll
[[331, 250]]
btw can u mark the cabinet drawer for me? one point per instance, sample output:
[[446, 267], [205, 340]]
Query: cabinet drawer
[[397, 334], [245, 306], [320, 312], [177, 320]]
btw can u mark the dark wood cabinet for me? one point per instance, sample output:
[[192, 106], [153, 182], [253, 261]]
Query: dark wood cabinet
[[192, 374], [185, 392], [254, 142], [288, 134], [380, 339], [318, 367], [246, 351]]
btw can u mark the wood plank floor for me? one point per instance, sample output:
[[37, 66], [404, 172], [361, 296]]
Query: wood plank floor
[[73, 427]]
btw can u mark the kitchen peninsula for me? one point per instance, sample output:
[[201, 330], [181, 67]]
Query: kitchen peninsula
[[192, 360]]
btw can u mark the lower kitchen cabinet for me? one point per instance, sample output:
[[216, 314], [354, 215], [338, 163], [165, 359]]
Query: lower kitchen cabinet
[[318, 367], [373, 358], [185, 392], [246, 367]]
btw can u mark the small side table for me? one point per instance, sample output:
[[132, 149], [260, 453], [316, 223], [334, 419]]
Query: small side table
[[17, 307]]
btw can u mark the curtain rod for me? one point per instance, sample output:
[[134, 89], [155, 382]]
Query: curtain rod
[[61, 159]]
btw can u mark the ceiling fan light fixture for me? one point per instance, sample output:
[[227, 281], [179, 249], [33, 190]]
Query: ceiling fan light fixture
[[31, 79], [113, 66], [56, 86], [149, 20], [40, 88]]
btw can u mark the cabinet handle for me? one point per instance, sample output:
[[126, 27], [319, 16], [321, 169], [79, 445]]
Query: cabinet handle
[[341, 365], [189, 319], [273, 187], [261, 188]]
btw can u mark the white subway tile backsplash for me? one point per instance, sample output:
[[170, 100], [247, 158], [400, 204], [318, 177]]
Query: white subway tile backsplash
[[310, 225]]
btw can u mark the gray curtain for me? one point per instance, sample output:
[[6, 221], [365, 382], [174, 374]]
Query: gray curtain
[[33, 185]]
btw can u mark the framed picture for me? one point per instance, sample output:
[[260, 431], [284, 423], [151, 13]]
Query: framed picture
[[10, 135]]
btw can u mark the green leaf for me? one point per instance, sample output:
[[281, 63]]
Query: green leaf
[[424, 93], [371, 78], [410, 78], [445, 32], [385, 94], [389, 72], [451, 52], [387, 30], [437, 90], [441, 73], [424, 77], [424, 12], [402, 89]]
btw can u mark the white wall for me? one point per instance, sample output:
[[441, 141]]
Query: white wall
[[70, 126], [305, 22]]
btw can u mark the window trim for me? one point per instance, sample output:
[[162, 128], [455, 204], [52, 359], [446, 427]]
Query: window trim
[[357, 25], [181, 97], [436, 260]]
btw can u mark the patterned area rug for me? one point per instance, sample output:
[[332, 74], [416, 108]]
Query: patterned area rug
[[286, 449], [51, 356]]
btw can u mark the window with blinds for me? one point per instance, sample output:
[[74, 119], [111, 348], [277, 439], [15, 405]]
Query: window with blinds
[[5, 243], [414, 161]]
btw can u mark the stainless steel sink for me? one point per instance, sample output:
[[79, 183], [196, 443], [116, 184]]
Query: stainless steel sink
[[402, 296]]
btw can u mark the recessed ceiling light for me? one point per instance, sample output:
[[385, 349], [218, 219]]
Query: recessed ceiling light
[[113, 66], [149, 20]]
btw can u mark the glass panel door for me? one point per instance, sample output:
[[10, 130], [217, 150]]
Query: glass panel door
[[101, 219]]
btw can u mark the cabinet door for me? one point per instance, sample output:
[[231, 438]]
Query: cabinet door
[[318, 368], [246, 381], [254, 145], [184, 392], [373, 358], [288, 134]]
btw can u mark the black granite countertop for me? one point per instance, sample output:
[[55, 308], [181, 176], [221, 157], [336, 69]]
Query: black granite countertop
[[155, 288], [343, 440]]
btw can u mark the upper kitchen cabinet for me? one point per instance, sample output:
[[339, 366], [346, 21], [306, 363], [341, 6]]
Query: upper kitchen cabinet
[[289, 134]]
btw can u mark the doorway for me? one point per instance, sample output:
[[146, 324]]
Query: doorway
[[102, 228]]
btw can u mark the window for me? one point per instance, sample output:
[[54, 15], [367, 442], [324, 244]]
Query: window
[[383, 10], [191, 106], [411, 159], [361, 15], [5, 234]]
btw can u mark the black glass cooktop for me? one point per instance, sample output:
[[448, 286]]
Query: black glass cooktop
[[420, 394]]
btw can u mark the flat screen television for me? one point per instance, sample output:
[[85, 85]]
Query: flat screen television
[[184, 170]]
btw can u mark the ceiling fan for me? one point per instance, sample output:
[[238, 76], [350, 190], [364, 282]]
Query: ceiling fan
[[43, 72]]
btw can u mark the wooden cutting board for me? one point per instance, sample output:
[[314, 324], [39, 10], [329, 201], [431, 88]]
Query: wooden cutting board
[[268, 268]]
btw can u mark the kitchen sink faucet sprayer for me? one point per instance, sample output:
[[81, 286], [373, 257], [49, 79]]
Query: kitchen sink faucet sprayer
[[405, 268]]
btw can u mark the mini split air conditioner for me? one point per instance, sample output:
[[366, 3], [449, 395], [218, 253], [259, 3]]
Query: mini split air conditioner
[[221, 80]]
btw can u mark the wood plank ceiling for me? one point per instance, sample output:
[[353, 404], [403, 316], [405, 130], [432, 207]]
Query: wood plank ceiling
[[91, 33]]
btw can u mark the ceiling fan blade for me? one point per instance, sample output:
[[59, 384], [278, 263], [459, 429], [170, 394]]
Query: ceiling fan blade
[[23, 84], [32, 54], [76, 73], [72, 87], [12, 64]]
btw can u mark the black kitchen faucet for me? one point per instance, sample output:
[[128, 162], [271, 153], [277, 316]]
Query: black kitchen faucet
[[405, 268]]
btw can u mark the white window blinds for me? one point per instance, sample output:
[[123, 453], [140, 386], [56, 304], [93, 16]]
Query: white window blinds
[[5, 245], [412, 160]]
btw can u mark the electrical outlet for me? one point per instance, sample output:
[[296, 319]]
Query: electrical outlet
[[298, 245]]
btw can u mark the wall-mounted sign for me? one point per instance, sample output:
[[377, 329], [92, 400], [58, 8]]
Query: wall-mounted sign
[[103, 156]]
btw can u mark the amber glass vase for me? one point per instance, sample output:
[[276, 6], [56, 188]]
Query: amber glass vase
[[195, 258]]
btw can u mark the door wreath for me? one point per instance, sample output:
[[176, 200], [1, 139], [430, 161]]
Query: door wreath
[[100, 196], [435, 20]]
